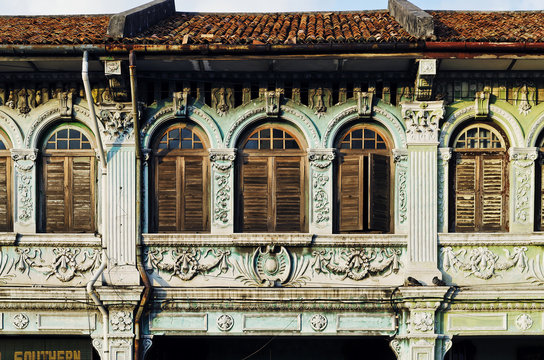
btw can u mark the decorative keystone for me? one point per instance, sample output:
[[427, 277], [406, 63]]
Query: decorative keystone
[[481, 103], [364, 104]]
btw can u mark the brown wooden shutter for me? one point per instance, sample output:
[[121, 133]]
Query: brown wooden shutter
[[541, 193], [289, 201], [493, 197], [5, 203], [82, 194], [55, 188], [350, 192], [379, 190], [255, 194], [195, 207], [167, 193], [466, 188]]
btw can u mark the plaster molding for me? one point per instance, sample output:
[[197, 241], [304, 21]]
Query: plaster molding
[[12, 130], [422, 121]]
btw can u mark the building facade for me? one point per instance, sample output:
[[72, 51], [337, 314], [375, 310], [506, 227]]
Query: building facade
[[245, 186]]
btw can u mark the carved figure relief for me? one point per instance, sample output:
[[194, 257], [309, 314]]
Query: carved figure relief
[[482, 263], [185, 264], [525, 97], [180, 100], [272, 103], [272, 266], [365, 103], [319, 99], [222, 100], [356, 264]]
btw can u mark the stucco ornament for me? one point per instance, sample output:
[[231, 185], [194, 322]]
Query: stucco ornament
[[522, 166], [185, 264], [356, 264], [524, 322], [20, 321], [121, 321], [422, 120], [401, 166], [320, 198], [272, 266], [423, 321], [483, 263], [24, 161], [318, 322], [117, 122], [225, 322]]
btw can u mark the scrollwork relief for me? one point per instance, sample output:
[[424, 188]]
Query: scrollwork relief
[[321, 204], [186, 264], [24, 163], [320, 159], [222, 198], [482, 263], [356, 264], [272, 267]]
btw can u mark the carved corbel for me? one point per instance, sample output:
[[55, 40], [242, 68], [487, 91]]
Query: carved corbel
[[66, 103], [481, 103], [422, 120], [180, 100], [272, 103], [425, 78], [365, 104]]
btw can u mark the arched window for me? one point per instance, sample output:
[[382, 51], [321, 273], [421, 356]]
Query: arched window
[[5, 185], [271, 181], [363, 180], [68, 182], [180, 184], [479, 201]]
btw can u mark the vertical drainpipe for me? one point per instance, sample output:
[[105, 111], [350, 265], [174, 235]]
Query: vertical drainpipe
[[139, 263], [103, 171]]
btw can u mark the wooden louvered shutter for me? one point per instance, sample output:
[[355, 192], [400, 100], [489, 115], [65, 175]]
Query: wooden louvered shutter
[[55, 188], [167, 192], [466, 188], [255, 194], [379, 190], [82, 194], [350, 194], [289, 201], [493, 188], [194, 197], [5, 203], [541, 192]]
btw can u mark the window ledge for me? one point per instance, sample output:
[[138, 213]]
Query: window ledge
[[490, 239], [72, 240]]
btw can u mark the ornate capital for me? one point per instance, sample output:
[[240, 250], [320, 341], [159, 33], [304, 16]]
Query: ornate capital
[[117, 121], [400, 155], [321, 158], [523, 155], [24, 154], [222, 159], [445, 154], [422, 121]]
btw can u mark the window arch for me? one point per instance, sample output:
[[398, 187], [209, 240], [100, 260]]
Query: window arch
[[6, 221], [363, 180], [271, 178], [479, 201], [68, 186], [180, 182]]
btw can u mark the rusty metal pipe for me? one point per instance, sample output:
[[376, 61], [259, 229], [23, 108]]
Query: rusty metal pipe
[[139, 262]]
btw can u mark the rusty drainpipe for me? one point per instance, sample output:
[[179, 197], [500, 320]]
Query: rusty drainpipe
[[139, 263], [90, 285]]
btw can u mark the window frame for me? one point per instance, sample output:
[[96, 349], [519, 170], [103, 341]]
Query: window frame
[[68, 155]]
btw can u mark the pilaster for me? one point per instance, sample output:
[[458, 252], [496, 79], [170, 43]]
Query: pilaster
[[422, 120], [400, 157], [24, 180], [222, 195], [444, 157], [522, 189], [120, 206], [321, 215]]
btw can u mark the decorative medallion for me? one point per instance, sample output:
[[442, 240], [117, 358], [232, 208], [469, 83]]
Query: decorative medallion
[[524, 322], [423, 321], [318, 322], [21, 321], [225, 322], [121, 321]]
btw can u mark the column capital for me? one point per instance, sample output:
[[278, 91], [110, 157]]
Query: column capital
[[422, 121], [222, 159], [445, 154], [520, 154], [321, 158], [24, 154]]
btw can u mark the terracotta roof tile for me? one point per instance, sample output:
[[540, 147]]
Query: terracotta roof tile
[[53, 29], [514, 26]]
